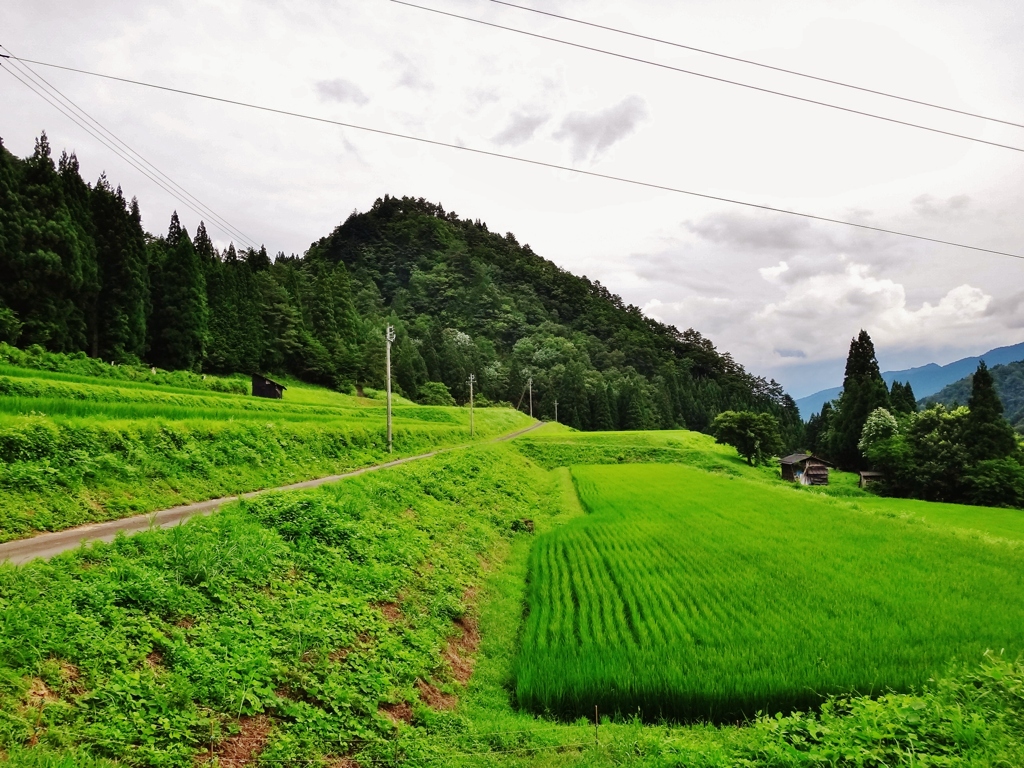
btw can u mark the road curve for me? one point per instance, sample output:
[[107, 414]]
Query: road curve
[[46, 545]]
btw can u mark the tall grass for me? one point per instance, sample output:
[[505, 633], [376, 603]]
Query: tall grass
[[688, 595], [75, 450]]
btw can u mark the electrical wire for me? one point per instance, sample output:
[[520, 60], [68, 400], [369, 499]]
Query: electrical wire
[[759, 64], [716, 79], [214, 217], [63, 103], [529, 161]]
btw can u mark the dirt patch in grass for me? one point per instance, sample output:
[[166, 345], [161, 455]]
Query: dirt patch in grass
[[391, 611], [155, 661], [244, 747], [397, 713], [460, 649], [434, 697], [39, 693]]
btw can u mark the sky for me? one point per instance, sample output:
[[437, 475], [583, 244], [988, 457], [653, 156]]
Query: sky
[[784, 295]]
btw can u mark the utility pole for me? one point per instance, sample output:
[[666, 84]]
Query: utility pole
[[529, 383], [390, 336], [472, 379], [556, 411]]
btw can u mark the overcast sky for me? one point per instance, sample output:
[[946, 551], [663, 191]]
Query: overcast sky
[[783, 295]]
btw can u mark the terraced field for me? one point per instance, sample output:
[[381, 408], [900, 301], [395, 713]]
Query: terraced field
[[693, 595], [83, 447]]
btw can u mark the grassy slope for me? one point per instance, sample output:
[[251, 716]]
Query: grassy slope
[[314, 609], [268, 593], [77, 450], [687, 594]]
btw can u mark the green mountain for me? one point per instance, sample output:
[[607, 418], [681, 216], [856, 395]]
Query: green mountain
[[81, 275], [474, 300], [1009, 382]]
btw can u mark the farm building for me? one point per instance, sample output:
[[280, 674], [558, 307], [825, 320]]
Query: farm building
[[867, 478], [264, 387], [804, 469]]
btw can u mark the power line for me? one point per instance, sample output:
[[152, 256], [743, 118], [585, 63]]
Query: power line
[[760, 64], [35, 82], [680, 70], [526, 160]]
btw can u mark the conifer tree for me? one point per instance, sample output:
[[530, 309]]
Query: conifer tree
[[988, 435], [180, 308], [120, 253], [47, 274], [864, 390]]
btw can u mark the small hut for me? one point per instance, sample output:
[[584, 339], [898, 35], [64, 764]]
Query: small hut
[[264, 387], [867, 478], [804, 469]]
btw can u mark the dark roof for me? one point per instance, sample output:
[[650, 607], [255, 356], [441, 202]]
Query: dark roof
[[269, 381], [872, 474], [794, 458], [797, 458]]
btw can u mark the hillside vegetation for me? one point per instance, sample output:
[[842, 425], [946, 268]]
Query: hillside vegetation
[[339, 626], [81, 275], [83, 448], [1009, 383]]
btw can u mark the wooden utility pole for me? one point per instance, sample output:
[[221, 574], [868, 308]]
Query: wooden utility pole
[[472, 379], [390, 336], [529, 383], [556, 411]]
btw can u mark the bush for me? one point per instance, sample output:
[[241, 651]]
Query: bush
[[435, 393]]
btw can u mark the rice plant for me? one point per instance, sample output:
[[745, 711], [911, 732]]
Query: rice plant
[[689, 595]]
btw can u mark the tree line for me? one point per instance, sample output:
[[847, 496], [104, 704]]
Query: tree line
[[967, 454], [83, 275]]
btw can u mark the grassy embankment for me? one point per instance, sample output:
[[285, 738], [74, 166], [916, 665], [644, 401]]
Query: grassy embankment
[[78, 448], [318, 626]]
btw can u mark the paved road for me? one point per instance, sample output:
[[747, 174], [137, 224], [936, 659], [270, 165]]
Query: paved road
[[46, 545]]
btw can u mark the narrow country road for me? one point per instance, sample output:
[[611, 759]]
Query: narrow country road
[[46, 545]]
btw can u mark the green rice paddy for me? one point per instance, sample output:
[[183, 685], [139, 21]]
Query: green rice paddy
[[689, 594]]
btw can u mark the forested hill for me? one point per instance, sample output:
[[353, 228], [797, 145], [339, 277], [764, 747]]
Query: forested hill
[[471, 300], [1009, 384], [81, 275]]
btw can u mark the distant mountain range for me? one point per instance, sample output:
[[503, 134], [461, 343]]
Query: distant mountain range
[[926, 379]]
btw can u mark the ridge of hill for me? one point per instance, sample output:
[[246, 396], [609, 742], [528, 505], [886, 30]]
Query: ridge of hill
[[1009, 383], [473, 300], [81, 275], [926, 380]]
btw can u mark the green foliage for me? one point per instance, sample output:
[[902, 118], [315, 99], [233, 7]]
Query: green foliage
[[435, 393], [989, 436], [901, 398], [968, 455], [314, 608], [881, 425], [715, 597], [1009, 385], [75, 449], [755, 436], [864, 390]]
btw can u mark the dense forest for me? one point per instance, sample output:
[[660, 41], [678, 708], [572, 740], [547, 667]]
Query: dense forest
[[1009, 384], [81, 275]]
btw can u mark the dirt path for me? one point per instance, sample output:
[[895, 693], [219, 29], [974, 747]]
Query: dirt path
[[46, 545]]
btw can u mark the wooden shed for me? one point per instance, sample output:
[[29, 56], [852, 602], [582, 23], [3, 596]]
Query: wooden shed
[[804, 469], [264, 387], [867, 478]]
